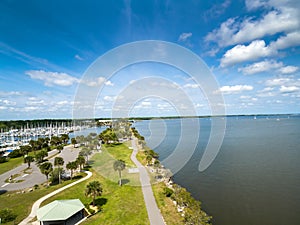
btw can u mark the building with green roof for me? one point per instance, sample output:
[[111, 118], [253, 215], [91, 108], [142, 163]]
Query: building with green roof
[[61, 212]]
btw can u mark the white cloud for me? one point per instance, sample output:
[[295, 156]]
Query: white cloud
[[146, 103], [52, 78], [109, 98], [288, 69], [289, 40], [282, 18], [184, 36], [191, 86], [266, 92], [255, 4], [235, 89], [35, 102], [289, 89], [7, 102], [97, 82], [11, 93], [78, 57], [242, 53], [109, 83], [259, 67], [267, 65], [278, 81]]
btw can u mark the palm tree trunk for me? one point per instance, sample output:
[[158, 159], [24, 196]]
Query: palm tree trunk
[[120, 178], [94, 198]]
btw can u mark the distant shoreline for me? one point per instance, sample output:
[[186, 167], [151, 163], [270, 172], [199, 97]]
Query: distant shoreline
[[147, 118]]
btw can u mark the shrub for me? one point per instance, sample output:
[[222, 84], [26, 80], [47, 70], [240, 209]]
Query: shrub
[[15, 154], [168, 192], [7, 215], [3, 160]]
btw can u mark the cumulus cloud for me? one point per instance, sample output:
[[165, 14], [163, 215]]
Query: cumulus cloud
[[109, 83], [288, 69], [259, 67], [52, 78], [282, 18], [184, 36], [286, 41], [235, 89], [267, 65], [7, 102], [242, 53], [278, 81], [289, 89]]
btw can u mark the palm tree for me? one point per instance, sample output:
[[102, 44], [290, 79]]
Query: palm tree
[[59, 161], [119, 165], [41, 155], [46, 168], [73, 142], [28, 159], [72, 166], [60, 148], [86, 152], [80, 161], [93, 189]]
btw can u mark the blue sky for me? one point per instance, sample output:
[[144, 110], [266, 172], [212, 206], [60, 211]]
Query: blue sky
[[252, 48]]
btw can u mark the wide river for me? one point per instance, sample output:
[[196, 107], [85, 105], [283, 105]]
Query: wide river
[[255, 178]]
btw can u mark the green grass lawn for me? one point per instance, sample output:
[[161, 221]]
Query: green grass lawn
[[15, 162], [121, 205], [120, 151], [11, 164], [21, 203], [103, 164]]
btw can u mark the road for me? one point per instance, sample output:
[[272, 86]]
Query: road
[[154, 214], [35, 176]]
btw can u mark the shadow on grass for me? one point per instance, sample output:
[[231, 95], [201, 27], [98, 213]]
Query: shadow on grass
[[2, 192], [100, 201], [77, 177], [125, 181]]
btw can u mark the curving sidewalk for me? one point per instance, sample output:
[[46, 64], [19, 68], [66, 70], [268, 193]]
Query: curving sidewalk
[[36, 205], [154, 214]]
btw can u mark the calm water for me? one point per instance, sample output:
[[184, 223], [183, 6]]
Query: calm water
[[255, 178]]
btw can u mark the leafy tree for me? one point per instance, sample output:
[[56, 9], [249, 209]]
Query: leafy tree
[[80, 161], [28, 159], [119, 165], [72, 166], [59, 161], [25, 149], [15, 154], [55, 141], [65, 138], [46, 168], [156, 165], [93, 189], [148, 159], [73, 142]]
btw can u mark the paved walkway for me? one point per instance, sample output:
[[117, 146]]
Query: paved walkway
[[37, 204], [154, 214]]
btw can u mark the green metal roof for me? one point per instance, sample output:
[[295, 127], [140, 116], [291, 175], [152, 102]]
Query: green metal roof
[[59, 210]]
